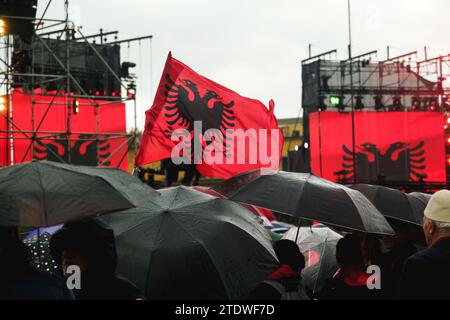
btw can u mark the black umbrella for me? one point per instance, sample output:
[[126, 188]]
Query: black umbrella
[[306, 196], [38, 241], [39, 194], [192, 246], [395, 204], [419, 202], [318, 245], [128, 185], [139, 193]]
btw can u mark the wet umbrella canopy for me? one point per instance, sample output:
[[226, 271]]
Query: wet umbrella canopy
[[318, 245], [39, 194], [128, 185], [192, 246], [419, 202], [308, 197], [396, 204], [38, 242]]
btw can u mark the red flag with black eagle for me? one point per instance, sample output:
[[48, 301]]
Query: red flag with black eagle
[[194, 120]]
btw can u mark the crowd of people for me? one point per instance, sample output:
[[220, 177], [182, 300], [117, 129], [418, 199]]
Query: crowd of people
[[407, 270], [85, 244]]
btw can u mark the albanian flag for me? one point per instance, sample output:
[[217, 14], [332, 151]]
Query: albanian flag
[[194, 120]]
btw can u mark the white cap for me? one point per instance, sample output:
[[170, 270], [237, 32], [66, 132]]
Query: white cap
[[438, 208]]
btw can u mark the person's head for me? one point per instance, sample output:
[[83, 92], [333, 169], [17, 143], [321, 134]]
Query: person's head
[[288, 252], [366, 243], [8, 234], [348, 252], [14, 254], [71, 257], [88, 244], [436, 224]]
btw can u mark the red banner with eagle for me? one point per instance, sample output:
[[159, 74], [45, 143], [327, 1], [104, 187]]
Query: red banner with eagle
[[97, 131], [194, 120], [389, 146]]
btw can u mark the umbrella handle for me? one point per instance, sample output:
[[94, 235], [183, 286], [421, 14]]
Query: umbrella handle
[[298, 229]]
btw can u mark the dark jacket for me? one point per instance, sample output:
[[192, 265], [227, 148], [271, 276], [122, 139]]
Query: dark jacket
[[426, 275], [20, 281], [344, 288], [283, 278], [95, 241], [391, 265]]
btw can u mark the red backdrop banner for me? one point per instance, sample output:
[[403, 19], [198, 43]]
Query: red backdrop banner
[[394, 146], [84, 149]]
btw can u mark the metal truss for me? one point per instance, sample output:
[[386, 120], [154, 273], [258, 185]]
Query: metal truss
[[65, 84]]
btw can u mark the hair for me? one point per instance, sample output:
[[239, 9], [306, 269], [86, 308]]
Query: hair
[[288, 252], [8, 234], [348, 252]]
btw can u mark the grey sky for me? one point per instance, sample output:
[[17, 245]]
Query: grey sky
[[255, 46]]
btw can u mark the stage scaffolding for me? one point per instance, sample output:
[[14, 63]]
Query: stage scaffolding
[[67, 87], [363, 82]]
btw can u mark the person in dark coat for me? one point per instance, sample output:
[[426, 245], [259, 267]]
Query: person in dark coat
[[90, 245], [426, 275], [285, 282], [391, 257], [19, 280], [350, 282]]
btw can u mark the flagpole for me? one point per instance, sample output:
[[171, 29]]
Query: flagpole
[[351, 89]]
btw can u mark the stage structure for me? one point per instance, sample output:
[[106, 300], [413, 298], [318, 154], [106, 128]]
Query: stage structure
[[63, 94], [402, 84]]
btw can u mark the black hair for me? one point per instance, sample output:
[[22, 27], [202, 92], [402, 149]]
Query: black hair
[[288, 252], [348, 252]]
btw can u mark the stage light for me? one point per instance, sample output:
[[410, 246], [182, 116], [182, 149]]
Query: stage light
[[306, 145], [378, 103], [2, 104], [2, 27], [416, 104], [296, 148], [448, 140], [339, 102], [359, 104], [322, 105], [432, 104], [446, 103], [334, 100], [397, 103], [75, 105]]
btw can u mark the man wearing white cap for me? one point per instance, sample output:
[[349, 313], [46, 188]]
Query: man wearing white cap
[[426, 274]]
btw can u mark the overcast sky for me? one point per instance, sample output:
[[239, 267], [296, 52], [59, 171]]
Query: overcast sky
[[255, 46]]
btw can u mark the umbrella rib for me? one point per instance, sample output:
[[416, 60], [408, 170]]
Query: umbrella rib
[[320, 266]]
